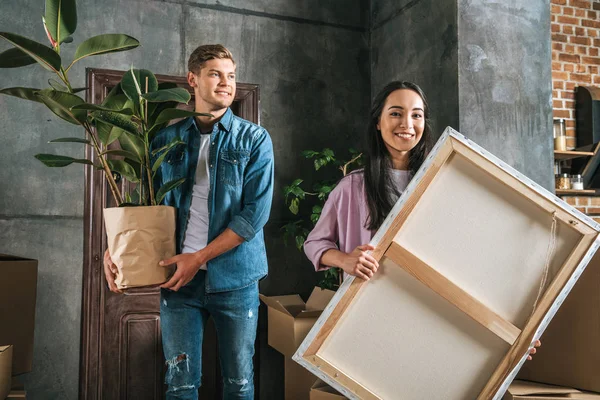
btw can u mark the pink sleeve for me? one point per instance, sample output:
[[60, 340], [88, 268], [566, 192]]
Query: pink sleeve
[[324, 235]]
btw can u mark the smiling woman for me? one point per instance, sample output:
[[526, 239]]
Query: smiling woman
[[398, 138]]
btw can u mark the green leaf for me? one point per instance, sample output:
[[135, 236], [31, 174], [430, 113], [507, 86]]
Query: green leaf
[[57, 85], [328, 153], [53, 160], [319, 162], [68, 39], [44, 55], [95, 107], [15, 58], [136, 78], [300, 242], [160, 159], [176, 140], [309, 153], [166, 188], [115, 100], [294, 206], [107, 133], [60, 103], [316, 213], [61, 18], [70, 140], [118, 120], [125, 169], [174, 113], [122, 153], [103, 44], [179, 95], [133, 144], [22, 93]]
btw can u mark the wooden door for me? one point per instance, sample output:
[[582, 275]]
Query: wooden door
[[121, 351]]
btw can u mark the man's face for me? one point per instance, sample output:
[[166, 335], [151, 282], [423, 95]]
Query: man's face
[[214, 86]]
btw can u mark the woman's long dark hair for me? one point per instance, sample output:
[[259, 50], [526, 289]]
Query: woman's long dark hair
[[378, 162]]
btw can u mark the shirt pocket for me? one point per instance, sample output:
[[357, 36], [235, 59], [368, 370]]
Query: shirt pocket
[[232, 164], [174, 164]]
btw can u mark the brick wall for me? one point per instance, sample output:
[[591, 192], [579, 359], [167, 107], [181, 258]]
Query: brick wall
[[586, 204], [575, 55]]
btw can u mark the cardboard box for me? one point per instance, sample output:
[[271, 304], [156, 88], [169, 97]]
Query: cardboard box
[[18, 283], [524, 390], [570, 351], [6, 353], [322, 391], [290, 319], [298, 381]]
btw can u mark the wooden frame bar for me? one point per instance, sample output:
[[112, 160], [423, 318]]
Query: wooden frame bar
[[452, 144], [454, 294]]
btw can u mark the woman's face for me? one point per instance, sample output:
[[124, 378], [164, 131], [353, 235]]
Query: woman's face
[[402, 121]]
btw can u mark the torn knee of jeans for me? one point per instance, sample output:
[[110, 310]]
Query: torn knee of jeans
[[241, 382], [177, 365]]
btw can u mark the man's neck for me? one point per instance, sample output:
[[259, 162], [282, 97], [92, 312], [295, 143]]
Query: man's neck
[[205, 124]]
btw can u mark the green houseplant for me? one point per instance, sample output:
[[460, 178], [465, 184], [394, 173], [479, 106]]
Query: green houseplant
[[130, 116], [299, 200]]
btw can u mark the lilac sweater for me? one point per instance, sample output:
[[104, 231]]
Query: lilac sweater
[[343, 219]]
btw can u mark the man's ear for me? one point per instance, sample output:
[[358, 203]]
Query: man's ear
[[191, 78]]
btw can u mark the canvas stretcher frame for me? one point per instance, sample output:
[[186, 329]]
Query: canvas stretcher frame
[[517, 328]]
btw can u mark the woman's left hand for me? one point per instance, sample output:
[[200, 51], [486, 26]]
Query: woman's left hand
[[534, 350]]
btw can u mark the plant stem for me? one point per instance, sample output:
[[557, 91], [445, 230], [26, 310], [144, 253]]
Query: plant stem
[[109, 177], [344, 168], [148, 172], [146, 144], [63, 76]]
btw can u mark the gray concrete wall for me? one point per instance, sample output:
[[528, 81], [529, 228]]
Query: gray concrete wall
[[416, 41], [505, 82], [311, 62], [484, 65]]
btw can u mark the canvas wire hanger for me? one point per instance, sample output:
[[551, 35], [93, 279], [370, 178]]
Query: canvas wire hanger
[[549, 253]]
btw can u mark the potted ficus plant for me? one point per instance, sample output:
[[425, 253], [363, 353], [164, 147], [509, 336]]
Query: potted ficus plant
[[295, 197], [140, 231]]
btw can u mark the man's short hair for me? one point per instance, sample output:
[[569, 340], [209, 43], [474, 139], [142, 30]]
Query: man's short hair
[[207, 52]]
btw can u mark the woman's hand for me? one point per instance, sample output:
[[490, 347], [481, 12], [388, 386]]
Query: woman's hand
[[359, 263], [534, 350]]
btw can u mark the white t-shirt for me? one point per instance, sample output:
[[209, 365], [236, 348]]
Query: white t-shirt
[[196, 233], [401, 178]]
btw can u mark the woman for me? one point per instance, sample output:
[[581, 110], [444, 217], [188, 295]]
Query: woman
[[398, 139]]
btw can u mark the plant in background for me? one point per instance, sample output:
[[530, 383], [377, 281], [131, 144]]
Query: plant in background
[[132, 113], [295, 197]]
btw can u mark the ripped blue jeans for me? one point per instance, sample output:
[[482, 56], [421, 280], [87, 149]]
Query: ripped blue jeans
[[183, 316]]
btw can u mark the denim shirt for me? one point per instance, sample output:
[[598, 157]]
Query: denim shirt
[[241, 191]]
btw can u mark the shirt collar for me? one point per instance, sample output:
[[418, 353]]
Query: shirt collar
[[224, 123]]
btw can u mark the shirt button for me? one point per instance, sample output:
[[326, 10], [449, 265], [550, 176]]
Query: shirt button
[[212, 144], [234, 161], [211, 165]]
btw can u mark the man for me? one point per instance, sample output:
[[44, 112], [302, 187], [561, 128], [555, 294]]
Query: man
[[221, 210]]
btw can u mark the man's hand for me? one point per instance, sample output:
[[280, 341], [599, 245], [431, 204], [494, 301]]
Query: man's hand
[[534, 350], [359, 263], [110, 272], [187, 267]]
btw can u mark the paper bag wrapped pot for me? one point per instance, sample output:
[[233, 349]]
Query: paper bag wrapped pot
[[138, 239]]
